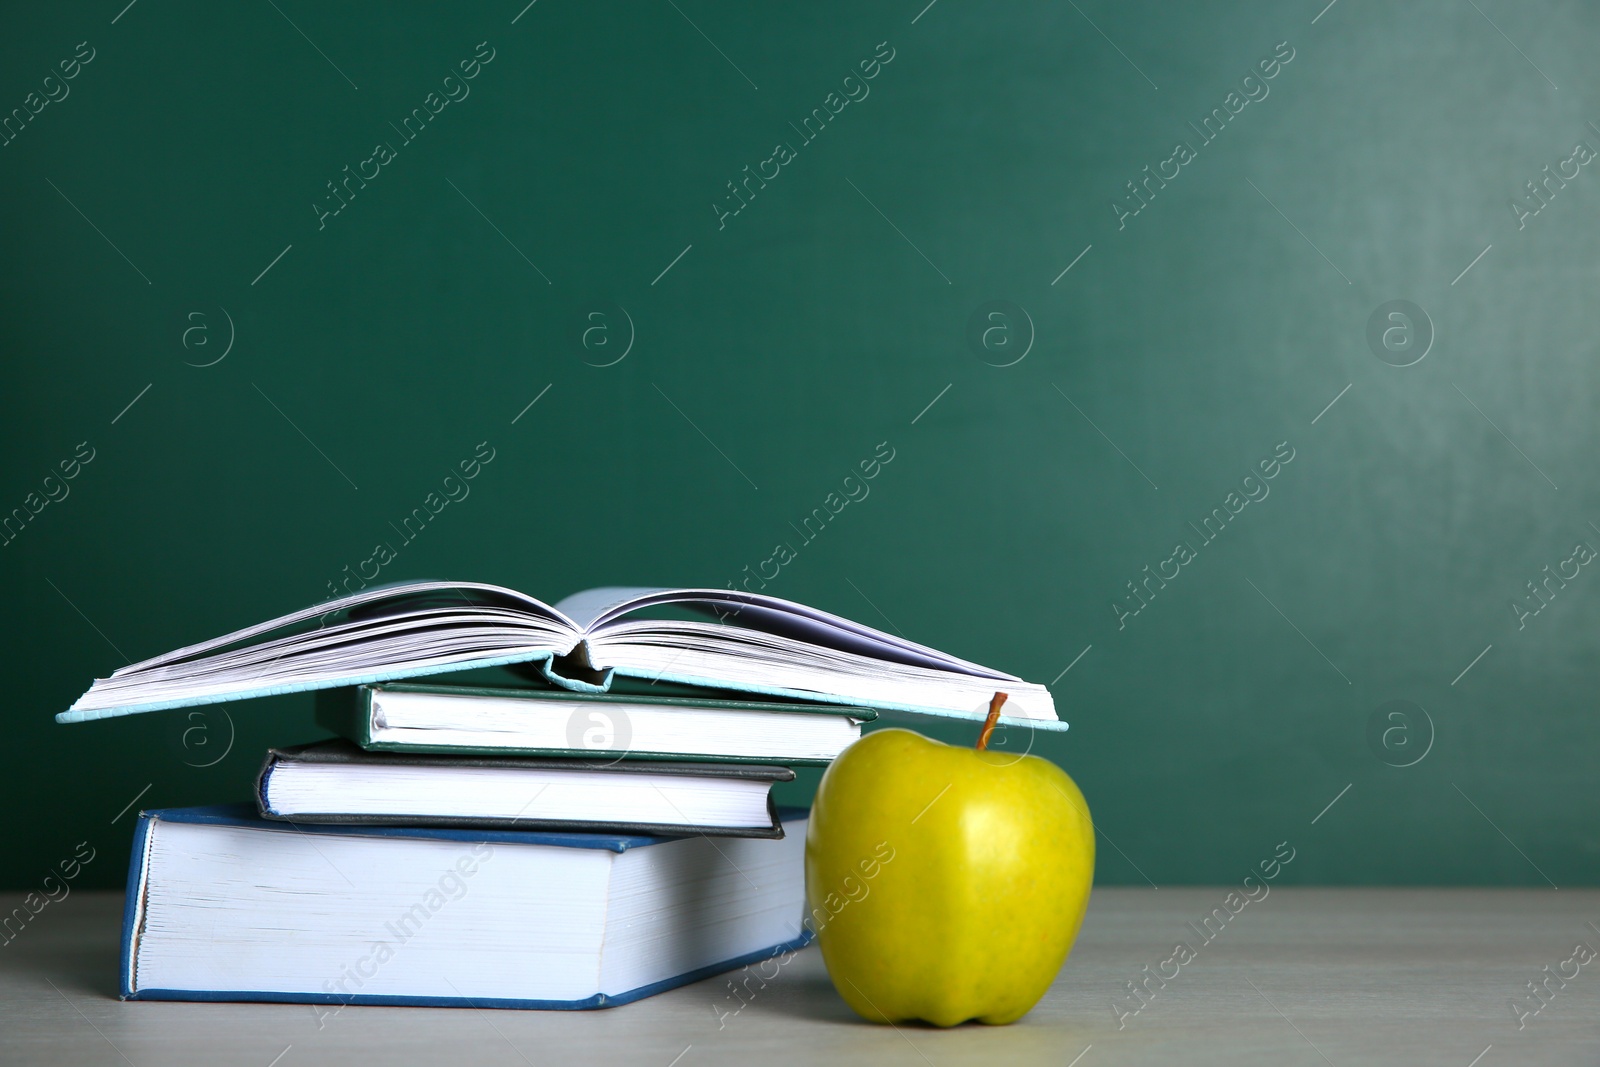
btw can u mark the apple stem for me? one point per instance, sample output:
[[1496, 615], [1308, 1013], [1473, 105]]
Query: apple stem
[[988, 724]]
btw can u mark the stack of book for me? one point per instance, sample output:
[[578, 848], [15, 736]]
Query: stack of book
[[565, 846]]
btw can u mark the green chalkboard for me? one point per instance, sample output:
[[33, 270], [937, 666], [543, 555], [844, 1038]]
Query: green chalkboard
[[1236, 359]]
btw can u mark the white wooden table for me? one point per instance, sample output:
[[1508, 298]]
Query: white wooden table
[[1306, 976]]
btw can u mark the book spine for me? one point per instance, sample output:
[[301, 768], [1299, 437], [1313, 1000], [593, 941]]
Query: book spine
[[261, 782], [133, 904]]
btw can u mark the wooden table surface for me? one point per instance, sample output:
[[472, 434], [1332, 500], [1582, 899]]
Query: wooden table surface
[[1304, 976]]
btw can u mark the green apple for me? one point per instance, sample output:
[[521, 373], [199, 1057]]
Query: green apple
[[945, 884]]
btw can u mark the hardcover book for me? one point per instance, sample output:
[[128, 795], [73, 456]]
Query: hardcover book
[[224, 906], [401, 717], [338, 782], [752, 643]]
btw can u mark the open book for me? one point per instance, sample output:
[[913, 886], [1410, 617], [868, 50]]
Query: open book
[[750, 642]]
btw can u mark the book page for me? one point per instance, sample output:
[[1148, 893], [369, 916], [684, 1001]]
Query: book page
[[392, 599], [594, 609]]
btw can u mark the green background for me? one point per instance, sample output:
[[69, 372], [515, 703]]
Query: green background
[[781, 349]]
